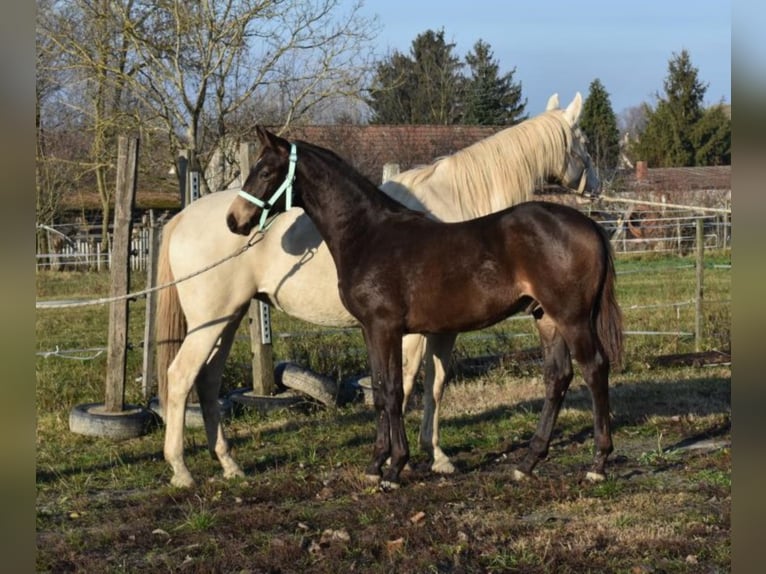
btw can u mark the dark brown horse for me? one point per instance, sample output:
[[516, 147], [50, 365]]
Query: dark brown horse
[[401, 272]]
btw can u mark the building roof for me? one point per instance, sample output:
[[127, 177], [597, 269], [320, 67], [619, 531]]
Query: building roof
[[672, 179], [370, 147]]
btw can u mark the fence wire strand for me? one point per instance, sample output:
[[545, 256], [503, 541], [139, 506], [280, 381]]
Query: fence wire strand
[[255, 238]]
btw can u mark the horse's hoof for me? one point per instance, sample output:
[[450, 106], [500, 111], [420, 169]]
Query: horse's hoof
[[518, 476], [235, 473], [182, 482], [373, 478], [388, 485], [443, 466], [593, 476]]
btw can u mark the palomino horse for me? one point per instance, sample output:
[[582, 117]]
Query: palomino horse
[[401, 272], [291, 268]]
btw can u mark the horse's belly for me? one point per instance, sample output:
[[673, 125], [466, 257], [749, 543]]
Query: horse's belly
[[460, 313]]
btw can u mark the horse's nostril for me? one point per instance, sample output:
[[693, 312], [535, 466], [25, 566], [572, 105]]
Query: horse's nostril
[[231, 222]]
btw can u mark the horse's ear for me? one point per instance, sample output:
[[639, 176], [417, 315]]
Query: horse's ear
[[553, 103], [572, 113], [269, 139], [263, 135]]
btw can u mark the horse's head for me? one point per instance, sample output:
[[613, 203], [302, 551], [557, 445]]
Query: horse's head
[[578, 172], [268, 186]]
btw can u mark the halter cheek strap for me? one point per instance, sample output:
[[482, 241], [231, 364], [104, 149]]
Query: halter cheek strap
[[286, 186]]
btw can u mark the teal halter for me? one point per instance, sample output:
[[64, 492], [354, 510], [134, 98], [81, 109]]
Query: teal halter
[[286, 186]]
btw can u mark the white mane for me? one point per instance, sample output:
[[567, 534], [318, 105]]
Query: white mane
[[496, 172]]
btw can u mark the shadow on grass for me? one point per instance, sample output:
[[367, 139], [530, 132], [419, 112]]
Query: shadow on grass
[[632, 404]]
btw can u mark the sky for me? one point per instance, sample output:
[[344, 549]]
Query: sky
[[561, 46]]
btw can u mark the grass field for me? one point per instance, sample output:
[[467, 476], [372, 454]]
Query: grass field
[[107, 507]]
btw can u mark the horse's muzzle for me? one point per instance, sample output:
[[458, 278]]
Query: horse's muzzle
[[235, 227]]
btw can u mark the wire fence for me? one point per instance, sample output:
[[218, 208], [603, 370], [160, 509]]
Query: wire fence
[[80, 252], [634, 324], [632, 230]]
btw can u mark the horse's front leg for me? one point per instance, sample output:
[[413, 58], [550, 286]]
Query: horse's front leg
[[385, 352], [382, 446]]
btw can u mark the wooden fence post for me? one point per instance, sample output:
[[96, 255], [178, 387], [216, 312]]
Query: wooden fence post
[[259, 316], [117, 346], [698, 298], [151, 307], [389, 171]]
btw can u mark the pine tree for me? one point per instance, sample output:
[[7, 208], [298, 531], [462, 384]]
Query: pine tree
[[422, 88], [490, 99], [712, 137], [390, 96], [679, 131], [599, 123]]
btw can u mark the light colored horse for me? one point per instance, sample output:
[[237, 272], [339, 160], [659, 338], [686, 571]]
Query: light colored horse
[[290, 267]]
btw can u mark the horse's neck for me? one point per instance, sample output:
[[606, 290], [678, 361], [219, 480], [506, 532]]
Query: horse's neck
[[342, 210], [489, 176]]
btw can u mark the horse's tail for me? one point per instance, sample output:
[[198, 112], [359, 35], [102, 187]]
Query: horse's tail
[[170, 326], [608, 313]]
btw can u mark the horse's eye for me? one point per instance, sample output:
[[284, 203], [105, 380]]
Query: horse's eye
[[265, 174]]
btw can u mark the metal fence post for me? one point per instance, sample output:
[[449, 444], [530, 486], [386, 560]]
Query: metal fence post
[[699, 293]]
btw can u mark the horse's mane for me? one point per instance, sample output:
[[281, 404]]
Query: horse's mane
[[333, 161], [501, 170]]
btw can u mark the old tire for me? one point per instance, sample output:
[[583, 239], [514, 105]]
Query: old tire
[[93, 420], [247, 399], [194, 418]]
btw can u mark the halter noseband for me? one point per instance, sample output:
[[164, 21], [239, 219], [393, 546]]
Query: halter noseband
[[286, 186]]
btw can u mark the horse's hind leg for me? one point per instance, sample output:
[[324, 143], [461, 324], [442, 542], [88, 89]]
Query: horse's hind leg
[[438, 350], [588, 352], [208, 388], [413, 349], [557, 374], [183, 372]]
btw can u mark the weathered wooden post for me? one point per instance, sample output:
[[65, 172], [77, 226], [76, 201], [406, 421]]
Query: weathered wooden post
[[124, 202], [389, 171], [115, 419]]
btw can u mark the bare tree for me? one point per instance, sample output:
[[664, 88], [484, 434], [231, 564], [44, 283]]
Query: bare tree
[[94, 66], [205, 61], [186, 70]]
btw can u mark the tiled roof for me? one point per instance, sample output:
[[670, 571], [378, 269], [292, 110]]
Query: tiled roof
[[680, 179], [370, 147], [700, 186]]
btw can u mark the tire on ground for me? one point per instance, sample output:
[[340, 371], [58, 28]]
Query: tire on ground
[[93, 420], [193, 418]]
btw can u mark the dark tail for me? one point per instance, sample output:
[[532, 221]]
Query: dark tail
[[608, 313], [170, 325]]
